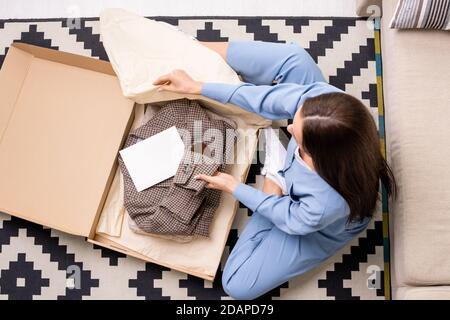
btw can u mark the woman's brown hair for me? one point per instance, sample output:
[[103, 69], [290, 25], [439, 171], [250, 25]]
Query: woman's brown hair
[[340, 135]]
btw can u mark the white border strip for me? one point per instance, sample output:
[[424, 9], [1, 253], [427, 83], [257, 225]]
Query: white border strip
[[24, 9]]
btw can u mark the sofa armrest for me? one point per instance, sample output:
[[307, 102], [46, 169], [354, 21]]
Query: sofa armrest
[[364, 9]]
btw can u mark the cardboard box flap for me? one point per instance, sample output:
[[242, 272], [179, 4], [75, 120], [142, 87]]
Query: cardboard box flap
[[66, 58], [12, 76], [63, 119]]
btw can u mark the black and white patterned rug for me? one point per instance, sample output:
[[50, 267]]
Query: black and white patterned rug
[[41, 263]]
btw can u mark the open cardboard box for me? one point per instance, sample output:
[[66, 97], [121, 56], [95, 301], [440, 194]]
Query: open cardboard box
[[63, 119]]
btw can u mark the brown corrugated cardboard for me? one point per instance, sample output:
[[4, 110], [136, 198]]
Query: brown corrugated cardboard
[[63, 119]]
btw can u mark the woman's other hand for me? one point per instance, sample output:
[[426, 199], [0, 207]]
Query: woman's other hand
[[220, 181], [178, 81]]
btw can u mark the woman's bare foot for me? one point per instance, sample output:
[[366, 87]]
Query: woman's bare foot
[[270, 187], [219, 47]]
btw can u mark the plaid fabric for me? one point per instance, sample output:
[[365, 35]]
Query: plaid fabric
[[181, 205], [173, 237]]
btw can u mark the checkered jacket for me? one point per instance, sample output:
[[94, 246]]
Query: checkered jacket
[[180, 205]]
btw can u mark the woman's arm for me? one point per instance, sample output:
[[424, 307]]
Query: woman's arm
[[293, 217], [272, 102], [259, 63]]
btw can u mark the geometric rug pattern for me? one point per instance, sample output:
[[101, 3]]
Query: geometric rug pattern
[[41, 263]]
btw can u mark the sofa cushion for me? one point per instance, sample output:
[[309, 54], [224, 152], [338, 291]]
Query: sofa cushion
[[423, 293], [414, 14], [416, 74]]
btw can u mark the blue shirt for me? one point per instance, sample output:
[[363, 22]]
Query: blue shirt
[[312, 207]]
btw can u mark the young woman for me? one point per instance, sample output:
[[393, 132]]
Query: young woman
[[331, 173]]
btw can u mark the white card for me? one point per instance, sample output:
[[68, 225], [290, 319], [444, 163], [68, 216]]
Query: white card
[[154, 159]]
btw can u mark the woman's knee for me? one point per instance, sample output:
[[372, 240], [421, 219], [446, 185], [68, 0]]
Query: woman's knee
[[241, 276], [301, 68], [241, 284], [238, 289]]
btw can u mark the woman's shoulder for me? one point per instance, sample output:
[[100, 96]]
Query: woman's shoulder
[[336, 204], [321, 200]]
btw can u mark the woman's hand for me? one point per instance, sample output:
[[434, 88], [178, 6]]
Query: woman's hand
[[220, 181], [178, 81]]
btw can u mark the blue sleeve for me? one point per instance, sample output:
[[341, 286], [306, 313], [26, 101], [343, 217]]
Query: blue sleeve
[[280, 101], [292, 217], [261, 63]]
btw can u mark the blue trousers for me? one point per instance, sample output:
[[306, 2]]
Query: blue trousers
[[263, 258]]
